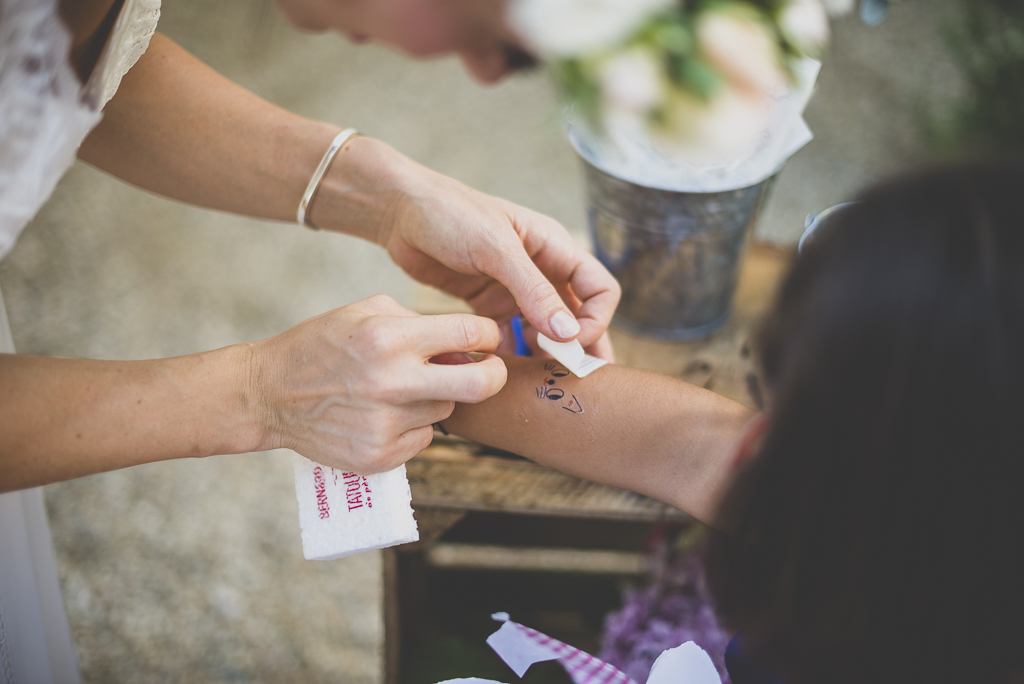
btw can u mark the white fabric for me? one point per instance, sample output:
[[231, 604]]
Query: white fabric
[[129, 38], [6, 660], [35, 641], [45, 113]]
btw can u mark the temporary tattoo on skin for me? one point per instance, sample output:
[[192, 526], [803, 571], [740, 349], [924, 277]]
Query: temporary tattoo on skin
[[556, 370], [548, 390]]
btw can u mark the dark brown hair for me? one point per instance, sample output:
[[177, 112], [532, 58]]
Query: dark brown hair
[[879, 531]]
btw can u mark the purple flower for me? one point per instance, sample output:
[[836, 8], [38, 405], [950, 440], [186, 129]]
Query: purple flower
[[675, 608]]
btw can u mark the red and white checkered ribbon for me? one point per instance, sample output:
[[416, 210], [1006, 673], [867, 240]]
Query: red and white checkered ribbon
[[520, 647]]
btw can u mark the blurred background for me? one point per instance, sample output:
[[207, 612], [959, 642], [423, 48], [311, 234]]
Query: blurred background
[[193, 570]]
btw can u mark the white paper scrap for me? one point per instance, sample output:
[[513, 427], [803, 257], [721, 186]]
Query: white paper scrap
[[517, 650], [470, 680], [571, 355], [688, 664], [521, 647], [343, 513]]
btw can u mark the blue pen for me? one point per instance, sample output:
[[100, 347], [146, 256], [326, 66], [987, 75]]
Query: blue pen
[[522, 349]]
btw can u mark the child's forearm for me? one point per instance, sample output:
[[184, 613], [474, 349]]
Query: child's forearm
[[619, 426]]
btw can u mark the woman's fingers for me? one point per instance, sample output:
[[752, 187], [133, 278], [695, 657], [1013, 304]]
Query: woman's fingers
[[358, 388], [543, 260], [536, 296], [468, 383], [602, 349], [448, 235], [591, 291], [448, 333], [599, 294]]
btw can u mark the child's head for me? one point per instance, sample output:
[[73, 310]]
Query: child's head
[[879, 530]]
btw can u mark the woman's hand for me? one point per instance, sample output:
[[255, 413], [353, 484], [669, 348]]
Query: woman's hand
[[501, 258], [498, 256], [355, 389]]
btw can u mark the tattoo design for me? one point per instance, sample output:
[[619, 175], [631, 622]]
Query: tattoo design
[[548, 390], [556, 370]]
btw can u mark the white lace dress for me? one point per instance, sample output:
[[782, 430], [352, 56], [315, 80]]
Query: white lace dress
[[45, 114]]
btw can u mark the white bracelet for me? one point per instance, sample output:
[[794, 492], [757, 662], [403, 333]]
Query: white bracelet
[[318, 175]]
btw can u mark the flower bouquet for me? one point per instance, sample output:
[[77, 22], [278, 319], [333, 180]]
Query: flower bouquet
[[682, 111], [697, 76]]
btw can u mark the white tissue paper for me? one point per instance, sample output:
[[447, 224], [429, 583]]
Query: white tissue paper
[[343, 513], [571, 355], [686, 664], [634, 156], [520, 647]]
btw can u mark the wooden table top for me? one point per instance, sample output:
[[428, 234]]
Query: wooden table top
[[456, 475]]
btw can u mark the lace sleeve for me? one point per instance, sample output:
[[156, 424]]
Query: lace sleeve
[[45, 113], [129, 38], [42, 121]]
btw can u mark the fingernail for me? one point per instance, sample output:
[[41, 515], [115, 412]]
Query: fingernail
[[564, 325]]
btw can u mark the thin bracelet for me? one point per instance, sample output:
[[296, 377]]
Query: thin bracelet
[[314, 183]]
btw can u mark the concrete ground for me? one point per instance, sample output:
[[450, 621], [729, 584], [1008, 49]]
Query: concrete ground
[[193, 570]]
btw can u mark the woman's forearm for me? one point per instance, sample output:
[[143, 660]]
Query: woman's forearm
[[352, 389], [178, 128], [640, 431], [64, 418]]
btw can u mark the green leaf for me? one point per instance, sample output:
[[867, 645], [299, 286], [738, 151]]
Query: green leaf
[[698, 78], [675, 38]]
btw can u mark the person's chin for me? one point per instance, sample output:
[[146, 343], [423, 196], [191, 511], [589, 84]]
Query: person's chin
[[302, 20], [493, 65], [487, 69]]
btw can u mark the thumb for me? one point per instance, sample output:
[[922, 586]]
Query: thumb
[[536, 296]]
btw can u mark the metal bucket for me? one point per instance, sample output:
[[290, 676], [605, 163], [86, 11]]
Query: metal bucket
[[676, 254]]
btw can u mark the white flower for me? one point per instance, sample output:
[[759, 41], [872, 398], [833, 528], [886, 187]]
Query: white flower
[[631, 81], [624, 128], [736, 42], [805, 24], [837, 8], [724, 131], [570, 28]]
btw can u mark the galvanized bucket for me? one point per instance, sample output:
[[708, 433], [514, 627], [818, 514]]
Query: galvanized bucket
[[676, 254]]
